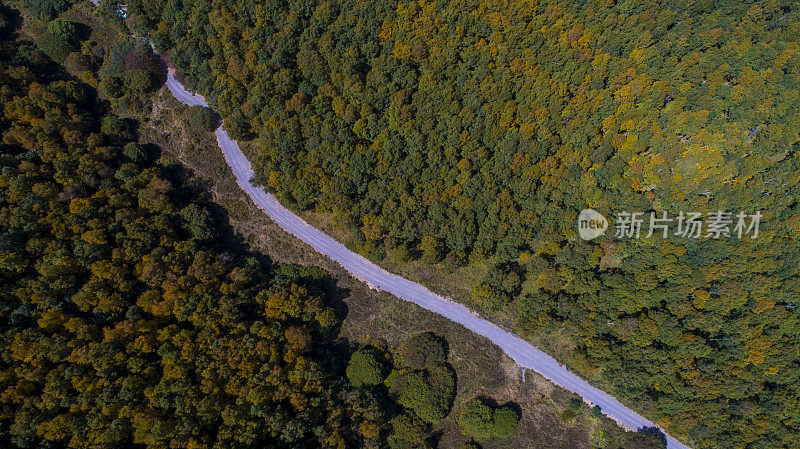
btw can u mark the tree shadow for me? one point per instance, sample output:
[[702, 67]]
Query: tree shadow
[[651, 437], [435, 438], [13, 20], [83, 31], [162, 65]]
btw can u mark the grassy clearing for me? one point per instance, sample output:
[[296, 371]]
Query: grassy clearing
[[456, 285], [100, 31]]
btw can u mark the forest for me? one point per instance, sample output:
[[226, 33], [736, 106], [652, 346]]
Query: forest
[[131, 317], [472, 132]]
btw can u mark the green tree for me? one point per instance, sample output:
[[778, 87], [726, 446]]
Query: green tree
[[59, 39], [198, 221], [430, 249], [504, 422], [428, 393], [408, 432], [424, 350], [139, 81], [113, 86], [476, 419], [364, 368], [64, 30], [136, 152], [481, 421]]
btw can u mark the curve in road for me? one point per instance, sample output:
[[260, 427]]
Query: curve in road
[[522, 352]]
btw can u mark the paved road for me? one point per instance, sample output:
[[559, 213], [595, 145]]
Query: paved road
[[523, 353]]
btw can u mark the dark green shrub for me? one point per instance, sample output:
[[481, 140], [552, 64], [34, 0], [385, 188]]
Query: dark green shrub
[[423, 350], [365, 368], [480, 420]]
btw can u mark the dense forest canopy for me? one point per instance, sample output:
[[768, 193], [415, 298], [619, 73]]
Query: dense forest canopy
[[122, 323], [473, 131], [130, 317]]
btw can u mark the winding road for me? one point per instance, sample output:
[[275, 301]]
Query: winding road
[[522, 352]]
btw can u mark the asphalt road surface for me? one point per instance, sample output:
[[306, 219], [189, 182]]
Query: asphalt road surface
[[523, 353]]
